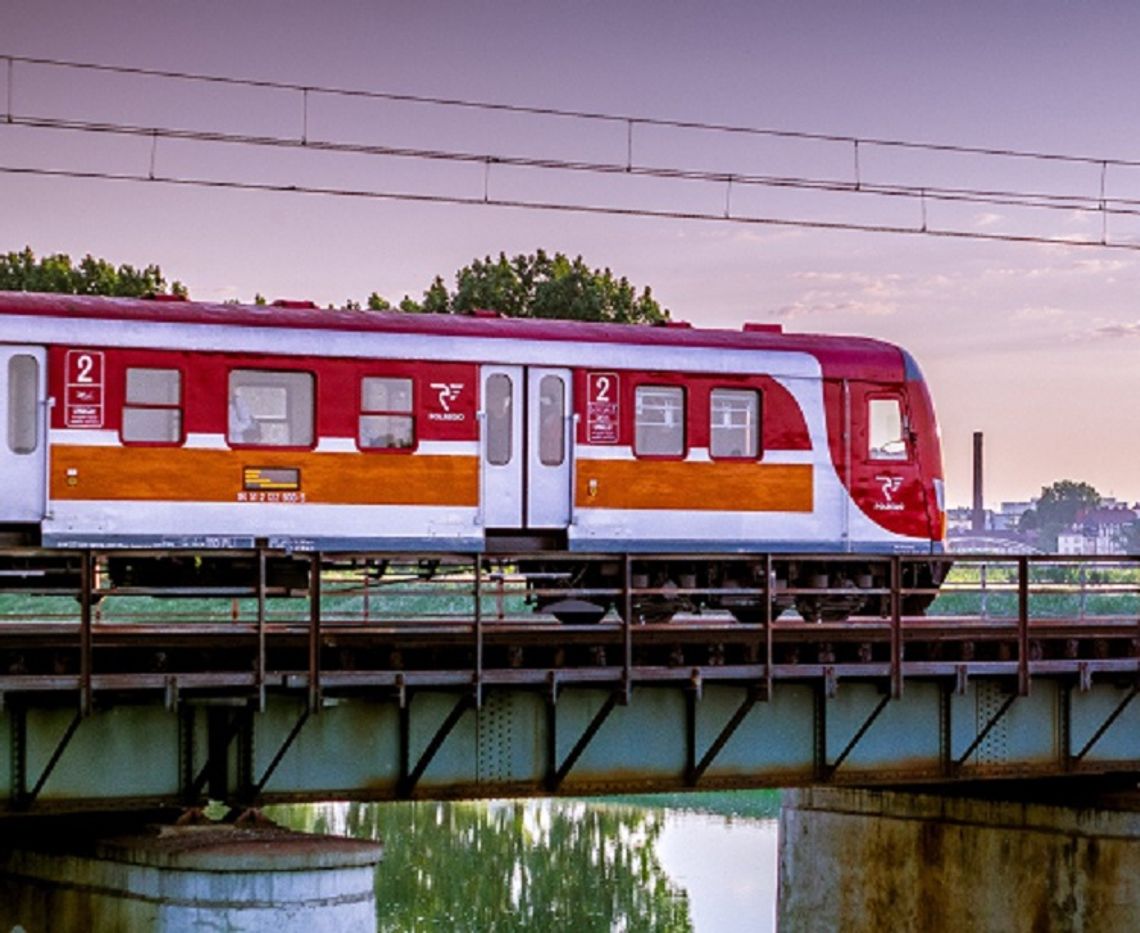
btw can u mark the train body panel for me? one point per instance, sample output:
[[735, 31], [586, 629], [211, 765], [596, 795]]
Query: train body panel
[[205, 425]]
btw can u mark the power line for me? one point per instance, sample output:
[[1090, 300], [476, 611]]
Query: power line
[[595, 115], [988, 197], [487, 201], [1100, 204]]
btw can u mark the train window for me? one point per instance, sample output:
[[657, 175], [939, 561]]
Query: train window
[[23, 405], [270, 409], [886, 438], [551, 428], [153, 409], [500, 423], [386, 420], [660, 421], [734, 423]]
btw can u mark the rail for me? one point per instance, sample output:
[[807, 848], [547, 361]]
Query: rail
[[72, 622]]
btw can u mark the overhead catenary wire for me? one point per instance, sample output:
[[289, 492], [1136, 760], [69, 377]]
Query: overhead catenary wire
[[597, 115], [990, 197], [1093, 203], [487, 201]]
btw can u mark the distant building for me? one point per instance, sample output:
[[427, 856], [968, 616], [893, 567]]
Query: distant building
[[1103, 530], [1004, 520], [1008, 517], [959, 519], [1075, 542]]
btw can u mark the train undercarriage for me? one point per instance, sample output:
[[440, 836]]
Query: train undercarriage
[[574, 589], [818, 589]]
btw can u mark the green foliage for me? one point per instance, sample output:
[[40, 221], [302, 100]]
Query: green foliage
[[511, 865], [436, 298], [536, 286], [542, 286], [1057, 590], [1057, 509], [22, 271]]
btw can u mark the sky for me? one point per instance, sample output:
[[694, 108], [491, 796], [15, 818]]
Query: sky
[[1035, 345]]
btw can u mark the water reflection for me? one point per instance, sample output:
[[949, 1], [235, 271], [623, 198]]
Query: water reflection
[[564, 864]]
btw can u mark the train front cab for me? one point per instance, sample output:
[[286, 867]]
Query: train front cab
[[891, 461]]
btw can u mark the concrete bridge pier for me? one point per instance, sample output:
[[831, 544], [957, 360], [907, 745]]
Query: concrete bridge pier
[[241, 879], [870, 860]]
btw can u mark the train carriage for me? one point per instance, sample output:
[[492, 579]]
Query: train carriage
[[175, 424]]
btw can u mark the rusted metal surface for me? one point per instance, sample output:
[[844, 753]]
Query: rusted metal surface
[[869, 699]]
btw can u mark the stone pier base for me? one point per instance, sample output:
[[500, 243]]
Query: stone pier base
[[867, 860], [189, 878]]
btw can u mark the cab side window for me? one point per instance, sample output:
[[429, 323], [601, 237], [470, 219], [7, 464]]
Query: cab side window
[[886, 430]]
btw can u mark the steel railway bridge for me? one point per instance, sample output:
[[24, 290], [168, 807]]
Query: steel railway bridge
[[387, 676]]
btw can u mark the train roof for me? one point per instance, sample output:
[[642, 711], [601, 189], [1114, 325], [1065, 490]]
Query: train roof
[[844, 356]]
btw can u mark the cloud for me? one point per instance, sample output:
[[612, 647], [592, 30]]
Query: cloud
[[769, 235], [807, 306], [1101, 266], [987, 220], [858, 293], [824, 302], [1038, 313], [1067, 266], [1117, 330]]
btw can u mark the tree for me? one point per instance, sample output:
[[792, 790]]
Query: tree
[[539, 286], [23, 272], [436, 298], [1058, 508], [536, 286]]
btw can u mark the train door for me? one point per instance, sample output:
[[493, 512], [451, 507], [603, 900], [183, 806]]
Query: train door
[[501, 446], [549, 453], [525, 447], [22, 454], [886, 481]]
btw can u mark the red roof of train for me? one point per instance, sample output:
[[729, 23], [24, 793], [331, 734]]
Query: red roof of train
[[848, 356]]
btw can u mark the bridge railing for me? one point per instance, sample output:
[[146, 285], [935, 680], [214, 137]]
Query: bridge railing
[[92, 621]]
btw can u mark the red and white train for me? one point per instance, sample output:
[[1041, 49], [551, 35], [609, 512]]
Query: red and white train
[[176, 424]]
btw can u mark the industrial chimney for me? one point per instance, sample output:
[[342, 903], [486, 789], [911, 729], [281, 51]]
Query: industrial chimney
[[978, 518]]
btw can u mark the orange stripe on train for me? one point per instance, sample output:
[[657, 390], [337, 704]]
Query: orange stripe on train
[[725, 486], [176, 474]]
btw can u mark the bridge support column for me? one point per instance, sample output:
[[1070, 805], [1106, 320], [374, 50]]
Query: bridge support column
[[186, 878], [872, 860]]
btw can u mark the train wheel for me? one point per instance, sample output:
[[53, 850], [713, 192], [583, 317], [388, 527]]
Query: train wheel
[[753, 614], [650, 611], [829, 609], [576, 611]]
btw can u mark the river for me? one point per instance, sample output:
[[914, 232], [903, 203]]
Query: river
[[703, 862]]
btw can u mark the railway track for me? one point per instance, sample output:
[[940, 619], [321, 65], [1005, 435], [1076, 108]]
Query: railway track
[[362, 623]]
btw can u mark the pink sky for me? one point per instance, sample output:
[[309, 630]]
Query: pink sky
[[1037, 346]]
